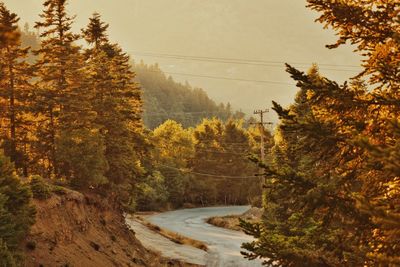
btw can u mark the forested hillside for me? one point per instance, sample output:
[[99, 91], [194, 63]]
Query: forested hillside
[[166, 99], [163, 98]]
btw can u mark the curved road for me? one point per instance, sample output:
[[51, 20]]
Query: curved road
[[224, 245]]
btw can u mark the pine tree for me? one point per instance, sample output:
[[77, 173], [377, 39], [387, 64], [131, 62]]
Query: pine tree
[[117, 103], [222, 150], [96, 32], [16, 212], [15, 92], [332, 192], [69, 136], [55, 56], [310, 214]]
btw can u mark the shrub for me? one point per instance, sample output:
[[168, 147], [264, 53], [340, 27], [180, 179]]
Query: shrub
[[59, 190], [40, 189], [6, 257]]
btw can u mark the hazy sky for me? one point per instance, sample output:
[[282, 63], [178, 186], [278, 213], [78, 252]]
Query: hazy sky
[[269, 30]]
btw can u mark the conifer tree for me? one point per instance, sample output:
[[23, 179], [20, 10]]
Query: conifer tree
[[332, 194], [15, 90], [69, 137], [222, 150], [55, 55], [16, 212], [96, 32], [117, 102]]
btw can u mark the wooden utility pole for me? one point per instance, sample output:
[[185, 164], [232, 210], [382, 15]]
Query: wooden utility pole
[[262, 133]]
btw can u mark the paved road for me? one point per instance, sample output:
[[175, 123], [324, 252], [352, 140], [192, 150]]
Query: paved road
[[224, 245], [166, 247]]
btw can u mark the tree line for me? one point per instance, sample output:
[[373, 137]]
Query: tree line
[[163, 98], [332, 192], [203, 166], [73, 116]]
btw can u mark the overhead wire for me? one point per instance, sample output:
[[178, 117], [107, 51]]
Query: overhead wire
[[221, 77], [209, 175], [255, 62], [185, 113]]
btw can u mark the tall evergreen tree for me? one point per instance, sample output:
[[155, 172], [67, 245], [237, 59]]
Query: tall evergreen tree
[[221, 152], [68, 135], [15, 90], [16, 212], [55, 56], [117, 102], [332, 194]]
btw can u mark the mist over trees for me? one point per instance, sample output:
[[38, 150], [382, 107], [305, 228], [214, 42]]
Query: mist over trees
[[166, 99]]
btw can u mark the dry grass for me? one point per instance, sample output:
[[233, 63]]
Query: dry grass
[[229, 222], [174, 237], [232, 221]]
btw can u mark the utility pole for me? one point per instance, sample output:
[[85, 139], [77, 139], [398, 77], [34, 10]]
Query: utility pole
[[262, 132]]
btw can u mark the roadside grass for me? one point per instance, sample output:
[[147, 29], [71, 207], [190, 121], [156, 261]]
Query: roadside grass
[[232, 221], [174, 237], [229, 222]]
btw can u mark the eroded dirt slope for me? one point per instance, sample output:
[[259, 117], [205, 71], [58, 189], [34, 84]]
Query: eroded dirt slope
[[73, 229]]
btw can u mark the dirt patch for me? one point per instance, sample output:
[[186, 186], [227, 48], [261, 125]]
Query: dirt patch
[[84, 230], [232, 221]]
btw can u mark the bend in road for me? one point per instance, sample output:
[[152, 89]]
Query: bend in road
[[224, 245]]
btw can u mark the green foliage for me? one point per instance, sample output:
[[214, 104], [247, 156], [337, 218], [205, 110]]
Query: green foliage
[[150, 193], [16, 212], [58, 80], [173, 148], [6, 257], [81, 153], [331, 197], [117, 103], [40, 189], [15, 82], [222, 151]]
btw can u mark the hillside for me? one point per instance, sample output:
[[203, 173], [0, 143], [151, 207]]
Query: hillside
[[163, 97], [73, 229], [166, 99]]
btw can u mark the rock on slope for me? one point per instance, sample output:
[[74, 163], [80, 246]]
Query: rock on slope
[[73, 229]]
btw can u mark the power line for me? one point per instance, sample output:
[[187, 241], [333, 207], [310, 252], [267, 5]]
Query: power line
[[207, 174], [224, 152], [256, 62], [186, 113], [220, 77], [244, 153]]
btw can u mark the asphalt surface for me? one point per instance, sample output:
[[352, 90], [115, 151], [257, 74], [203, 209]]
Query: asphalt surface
[[166, 247], [224, 245]]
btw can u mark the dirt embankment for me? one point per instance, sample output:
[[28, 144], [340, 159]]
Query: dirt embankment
[[73, 229], [232, 221]]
